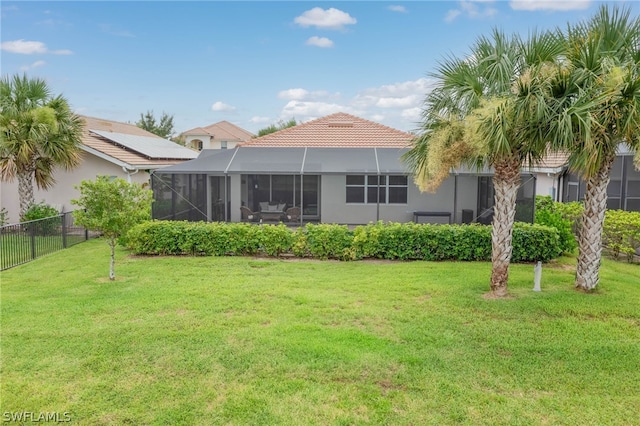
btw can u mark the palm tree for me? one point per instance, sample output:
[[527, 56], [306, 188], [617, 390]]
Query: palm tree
[[593, 104], [471, 118], [38, 132]]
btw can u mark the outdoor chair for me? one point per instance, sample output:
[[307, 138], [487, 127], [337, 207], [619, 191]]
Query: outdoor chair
[[247, 215], [293, 214]]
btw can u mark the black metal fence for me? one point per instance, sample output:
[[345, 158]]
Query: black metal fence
[[25, 241]]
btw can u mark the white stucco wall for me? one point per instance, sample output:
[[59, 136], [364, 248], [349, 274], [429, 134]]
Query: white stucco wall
[[63, 191], [547, 184], [208, 142]]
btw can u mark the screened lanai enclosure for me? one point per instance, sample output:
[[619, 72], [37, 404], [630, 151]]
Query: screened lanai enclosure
[[623, 191], [332, 185]]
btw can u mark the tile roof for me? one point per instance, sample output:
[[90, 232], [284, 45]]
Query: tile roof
[[222, 130], [115, 151], [339, 130], [552, 160]]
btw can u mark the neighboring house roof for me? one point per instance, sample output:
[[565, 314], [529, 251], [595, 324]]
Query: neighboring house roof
[[128, 145], [338, 130], [552, 162], [222, 130]]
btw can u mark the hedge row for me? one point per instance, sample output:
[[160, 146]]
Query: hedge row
[[398, 241], [621, 233]]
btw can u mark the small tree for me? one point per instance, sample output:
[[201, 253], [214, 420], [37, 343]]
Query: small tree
[[112, 207], [162, 128], [280, 125]]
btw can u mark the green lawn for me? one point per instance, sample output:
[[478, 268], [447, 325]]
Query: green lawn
[[202, 340]]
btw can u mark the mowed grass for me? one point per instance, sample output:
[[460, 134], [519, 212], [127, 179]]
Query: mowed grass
[[203, 340]]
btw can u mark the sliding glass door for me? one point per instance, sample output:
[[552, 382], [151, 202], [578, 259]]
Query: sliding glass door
[[283, 189]]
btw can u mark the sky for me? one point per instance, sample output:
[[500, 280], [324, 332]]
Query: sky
[[256, 63]]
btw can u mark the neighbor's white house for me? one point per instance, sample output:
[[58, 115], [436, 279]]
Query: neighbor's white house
[[110, 148], [221, 135]]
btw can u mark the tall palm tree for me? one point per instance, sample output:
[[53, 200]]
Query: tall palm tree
[[471, 118], [38, 132], [592, 105]]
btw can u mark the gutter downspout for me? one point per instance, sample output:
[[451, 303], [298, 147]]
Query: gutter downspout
[[129, 173]]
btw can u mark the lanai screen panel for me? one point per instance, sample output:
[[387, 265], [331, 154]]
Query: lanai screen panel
[[340, 161], [274, 160], [212, 163]]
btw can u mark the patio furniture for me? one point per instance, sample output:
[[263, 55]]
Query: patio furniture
[[418, 214], [247, 215], [293, 214], [272, 212]]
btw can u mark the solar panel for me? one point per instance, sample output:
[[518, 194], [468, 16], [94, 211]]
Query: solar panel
[[152, 147]]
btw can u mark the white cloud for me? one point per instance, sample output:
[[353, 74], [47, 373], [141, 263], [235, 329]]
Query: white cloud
[[474, 9], [398, 105], [397, 8], [36, 64], [406, 94], [330, 19], [300, 94], [25, 47], [412, 114], [293, 94], [221, 106], [319, 42], [258, 120], [562, 5], [304, 110], [452, 14]]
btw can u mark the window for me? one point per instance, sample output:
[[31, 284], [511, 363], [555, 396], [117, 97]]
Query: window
[[373, 189], [223, 145]]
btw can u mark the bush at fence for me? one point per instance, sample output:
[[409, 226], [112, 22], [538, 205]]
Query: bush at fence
[[40, 211], [401, 241]]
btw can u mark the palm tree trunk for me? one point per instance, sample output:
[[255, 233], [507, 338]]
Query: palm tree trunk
[[506, 182], [591, 224], [25, 190]]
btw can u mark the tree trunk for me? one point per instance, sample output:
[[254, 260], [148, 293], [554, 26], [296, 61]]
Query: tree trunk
[[506, 182], [591, 224], [112, 264], [25, 191]]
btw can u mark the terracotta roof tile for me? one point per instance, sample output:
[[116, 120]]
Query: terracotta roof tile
[[552, 160], [222, 130], [338, 130]]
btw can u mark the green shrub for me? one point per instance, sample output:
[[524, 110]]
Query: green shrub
[[561, 216], [4, 216], [398, 241], [48, 218], [621, 233], [276, 239], [535, 243], [327, 241]]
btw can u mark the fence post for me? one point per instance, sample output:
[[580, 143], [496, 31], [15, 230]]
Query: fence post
[[63, 216], [32, 228]]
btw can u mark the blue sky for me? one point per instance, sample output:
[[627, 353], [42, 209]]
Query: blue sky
[[254, 63]]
